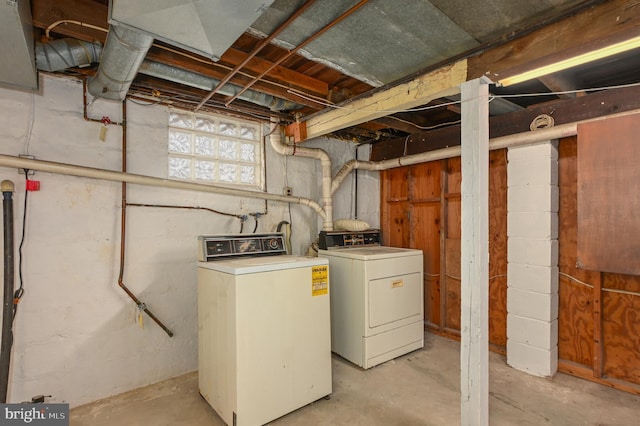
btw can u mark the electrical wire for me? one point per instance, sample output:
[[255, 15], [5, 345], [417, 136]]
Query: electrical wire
[[31, 121], [610, 290], [567, 92], [435, 126], [242, 218], [17, 295]]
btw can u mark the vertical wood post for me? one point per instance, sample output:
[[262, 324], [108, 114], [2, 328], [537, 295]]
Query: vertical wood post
[[444, 225], [474, 350]]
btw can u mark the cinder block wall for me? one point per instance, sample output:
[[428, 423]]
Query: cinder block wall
[[75, 335], [532, 228]]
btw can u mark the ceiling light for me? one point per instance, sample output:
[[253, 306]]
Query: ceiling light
[[572, 62]]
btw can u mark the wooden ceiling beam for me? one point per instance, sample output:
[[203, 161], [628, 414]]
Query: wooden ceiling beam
[[609, 22], [419, 91], [182, 62], [563, 112], [279, 73], [599, 26], [47, 12]]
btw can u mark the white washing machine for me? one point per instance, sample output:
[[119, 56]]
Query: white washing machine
[[376, 297], [264, 345]]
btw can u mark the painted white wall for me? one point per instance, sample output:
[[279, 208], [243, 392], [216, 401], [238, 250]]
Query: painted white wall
[[76, 335]]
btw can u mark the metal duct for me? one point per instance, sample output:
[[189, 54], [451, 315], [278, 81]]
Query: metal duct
[[188, 78], [66, 53], [124, 51], [205, 27], [17, 66]]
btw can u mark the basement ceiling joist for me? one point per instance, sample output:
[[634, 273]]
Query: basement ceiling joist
[[383, 45]]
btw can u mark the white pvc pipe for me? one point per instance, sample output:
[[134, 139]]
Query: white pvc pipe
[[89, 172], [525, 138], [281, 148]]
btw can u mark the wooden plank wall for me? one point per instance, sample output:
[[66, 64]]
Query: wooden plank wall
[[421, 209], [599, 313]]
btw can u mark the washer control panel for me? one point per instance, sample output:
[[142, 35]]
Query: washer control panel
[[212, 247]]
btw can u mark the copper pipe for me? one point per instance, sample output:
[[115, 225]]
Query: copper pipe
[[255, 51], [85, 115], [300, 46], [123, 227]]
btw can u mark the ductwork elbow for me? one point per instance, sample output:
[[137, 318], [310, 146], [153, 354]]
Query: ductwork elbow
[[66, 53], [122, 56]]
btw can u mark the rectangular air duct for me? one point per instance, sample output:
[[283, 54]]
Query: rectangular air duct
[[205, 27], [16, 43]]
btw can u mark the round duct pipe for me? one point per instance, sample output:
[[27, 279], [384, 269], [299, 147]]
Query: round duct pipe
[[66, 53], [123, 53]]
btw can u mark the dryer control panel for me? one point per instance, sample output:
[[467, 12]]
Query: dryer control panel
[[212, 247], [329, 240]]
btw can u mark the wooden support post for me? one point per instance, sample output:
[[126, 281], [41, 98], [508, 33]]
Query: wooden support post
[[444, 233], [474, 349]]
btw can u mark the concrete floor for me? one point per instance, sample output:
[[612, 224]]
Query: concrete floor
[[421, 388]]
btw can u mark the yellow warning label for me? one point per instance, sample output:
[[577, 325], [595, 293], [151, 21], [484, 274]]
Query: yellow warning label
[[319, 280], [397, 283]]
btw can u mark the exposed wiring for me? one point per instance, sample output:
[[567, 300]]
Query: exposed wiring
[[572, 278], [319, 100], [242, 218], [491, 98], [150, 103], [17, 295], [31, 121], [542, 121], [406, 141], [424, 108], [460, 278], [567, 92], [71, 21], [610, 290], [615, 290], [435, 126]]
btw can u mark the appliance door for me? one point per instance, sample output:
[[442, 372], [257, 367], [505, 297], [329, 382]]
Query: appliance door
[[394, 299]]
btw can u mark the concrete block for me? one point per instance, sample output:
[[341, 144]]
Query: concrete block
[[532, 360], [530, 304], [541, 279], [543, 252], [541, 334], [534, 171], [533, 198], [536, 225], [546, 149]]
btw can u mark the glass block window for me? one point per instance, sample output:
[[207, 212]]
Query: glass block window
[[215, 149]]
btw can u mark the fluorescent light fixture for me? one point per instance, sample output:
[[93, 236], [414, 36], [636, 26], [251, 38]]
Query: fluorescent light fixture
[[594, 55]]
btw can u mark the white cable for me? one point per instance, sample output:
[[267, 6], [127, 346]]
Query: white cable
[[31, 121]]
